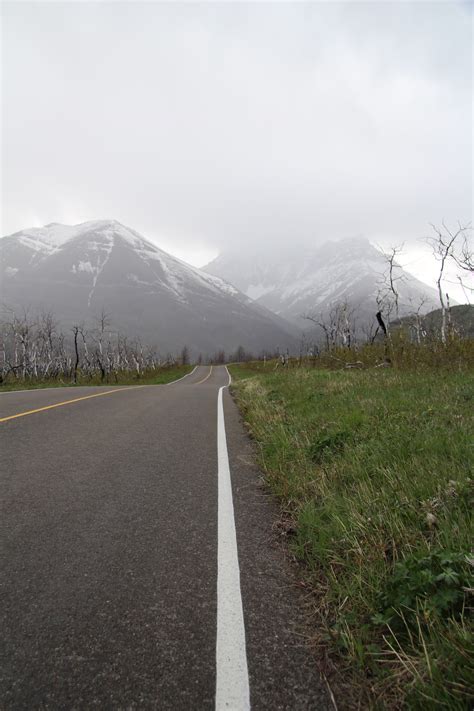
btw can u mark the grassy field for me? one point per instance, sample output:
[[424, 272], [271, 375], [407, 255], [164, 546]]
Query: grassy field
[[372, 469], [159, 376]]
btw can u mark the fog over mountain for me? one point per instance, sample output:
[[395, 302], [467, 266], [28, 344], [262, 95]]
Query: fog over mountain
[[295, 282], [250, 137], [239, 123], [75, 272], [250, 297]]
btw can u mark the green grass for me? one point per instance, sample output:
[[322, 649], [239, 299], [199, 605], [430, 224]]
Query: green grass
[[159, 376], [372, 469]]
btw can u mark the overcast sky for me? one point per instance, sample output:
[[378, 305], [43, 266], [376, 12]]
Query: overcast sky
[[204, 125]]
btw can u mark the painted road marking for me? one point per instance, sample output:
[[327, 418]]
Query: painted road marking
[[232, 679], [184, 376], [68, 402], [204, 379]]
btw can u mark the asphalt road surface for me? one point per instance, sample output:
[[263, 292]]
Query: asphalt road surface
[[120, 584]]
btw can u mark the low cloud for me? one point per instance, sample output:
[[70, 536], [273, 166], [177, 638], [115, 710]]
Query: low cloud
[[209, 125]]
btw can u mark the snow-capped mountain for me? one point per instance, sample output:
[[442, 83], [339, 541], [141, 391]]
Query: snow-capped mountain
[[77, 271], [294, 282]]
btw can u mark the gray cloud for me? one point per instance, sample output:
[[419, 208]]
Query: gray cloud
[[204, 125]]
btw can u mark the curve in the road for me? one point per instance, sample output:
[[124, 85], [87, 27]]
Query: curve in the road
[[85, 397]]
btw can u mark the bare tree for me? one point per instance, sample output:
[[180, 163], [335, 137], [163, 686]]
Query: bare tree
[[443, 244], [370, 330], [338, 325], [219, 357], [464, 259], [393, 276], [185, 356], [464, 256], [321, 321], [417, 318], [75, 331], [103, 322], [35, 347]]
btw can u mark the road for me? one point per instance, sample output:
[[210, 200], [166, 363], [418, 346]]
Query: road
[[120, 584]]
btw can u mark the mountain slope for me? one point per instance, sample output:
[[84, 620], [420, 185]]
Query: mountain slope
[[78, 271], [461, 316], [295, 282]]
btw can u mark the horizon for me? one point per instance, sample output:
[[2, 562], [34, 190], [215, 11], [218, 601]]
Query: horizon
[[416, 259], [224, 122]]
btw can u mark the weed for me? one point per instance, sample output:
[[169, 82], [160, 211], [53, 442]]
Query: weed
[[425, 585], [373, 469]]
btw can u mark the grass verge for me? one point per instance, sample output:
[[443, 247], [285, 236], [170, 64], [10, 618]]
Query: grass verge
[[158, 376], [372, 469]]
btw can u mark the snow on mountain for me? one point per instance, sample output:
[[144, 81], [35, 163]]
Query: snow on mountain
[[293, 282], [76, 271], [45, 239]]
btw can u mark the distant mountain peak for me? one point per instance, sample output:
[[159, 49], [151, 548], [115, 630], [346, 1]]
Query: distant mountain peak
[[294, 282], [76, 270]]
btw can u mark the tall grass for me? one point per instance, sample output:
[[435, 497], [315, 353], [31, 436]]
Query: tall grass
[[402, 354], [372, 469]]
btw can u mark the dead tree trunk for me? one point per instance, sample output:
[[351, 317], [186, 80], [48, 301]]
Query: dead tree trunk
[[382, 325], [75, 331]]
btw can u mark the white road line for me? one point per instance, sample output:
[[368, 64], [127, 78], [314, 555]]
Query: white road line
[[184, 376], [232, 680]]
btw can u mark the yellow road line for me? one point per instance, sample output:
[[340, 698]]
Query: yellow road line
[[67, 402], [204, 379]]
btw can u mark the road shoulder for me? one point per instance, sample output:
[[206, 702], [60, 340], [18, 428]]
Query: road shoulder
[[283, 671]]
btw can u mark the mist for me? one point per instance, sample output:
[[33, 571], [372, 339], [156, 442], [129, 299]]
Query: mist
[[219, 126]]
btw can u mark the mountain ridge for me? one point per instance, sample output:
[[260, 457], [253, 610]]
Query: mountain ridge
[[296, 282], [75, 271]]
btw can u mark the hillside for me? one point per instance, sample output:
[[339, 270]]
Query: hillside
[[75, 272], [462, 317], [295, 281]]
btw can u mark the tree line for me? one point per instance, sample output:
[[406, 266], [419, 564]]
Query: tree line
[[341, 326], [36, 347]]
